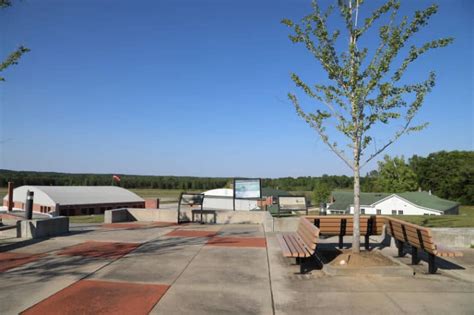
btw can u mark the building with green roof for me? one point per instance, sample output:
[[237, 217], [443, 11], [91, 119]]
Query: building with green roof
[[407, 203]]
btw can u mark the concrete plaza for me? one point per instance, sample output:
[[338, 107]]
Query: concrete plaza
[[159, 268]]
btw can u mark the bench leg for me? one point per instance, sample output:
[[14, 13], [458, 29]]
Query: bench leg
[[341, 241], [304, 265], [400, 249], [414, 256], [367, 247], [432, 264]]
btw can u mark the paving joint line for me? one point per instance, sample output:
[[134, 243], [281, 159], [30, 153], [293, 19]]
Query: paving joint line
[[184, 269], [269, 271]]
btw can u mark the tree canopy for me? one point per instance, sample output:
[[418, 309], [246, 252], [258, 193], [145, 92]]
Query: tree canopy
[[395, 176], [448, 175]]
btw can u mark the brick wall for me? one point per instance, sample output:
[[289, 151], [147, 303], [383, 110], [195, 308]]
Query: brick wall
[[152, 203]]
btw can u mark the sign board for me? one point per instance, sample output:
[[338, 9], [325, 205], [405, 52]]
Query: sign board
[[191, 199], [292, 203], [247, 188]]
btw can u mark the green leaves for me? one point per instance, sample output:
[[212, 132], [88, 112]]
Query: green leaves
[[13, 58], [396, 176], [363, 94]]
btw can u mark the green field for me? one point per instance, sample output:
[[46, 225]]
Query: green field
[[96, 218], [464, 219], [166, 195]]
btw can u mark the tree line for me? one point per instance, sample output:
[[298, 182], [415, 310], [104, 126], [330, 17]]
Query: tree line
[[448, 175]]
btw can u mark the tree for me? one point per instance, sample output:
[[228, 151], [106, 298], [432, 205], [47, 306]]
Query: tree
[[362, 92], [321, 192], [13, 58], [447, 174], [395, 175]]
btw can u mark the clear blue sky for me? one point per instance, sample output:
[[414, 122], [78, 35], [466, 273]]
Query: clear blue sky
[[192, 87]]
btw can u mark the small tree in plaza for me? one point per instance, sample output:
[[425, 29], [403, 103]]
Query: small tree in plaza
[[365, 86], [14, 56]]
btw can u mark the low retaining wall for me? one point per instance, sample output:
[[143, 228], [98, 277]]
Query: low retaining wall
[[288, 224], [145, 215], [230, 217], [43, 228], [454, 237], [171, 215]]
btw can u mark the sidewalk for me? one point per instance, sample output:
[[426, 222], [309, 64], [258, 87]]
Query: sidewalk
[[201, 269]]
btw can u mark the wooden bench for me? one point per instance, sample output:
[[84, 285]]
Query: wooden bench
[[417, 237], [342, 225], [300, 244]]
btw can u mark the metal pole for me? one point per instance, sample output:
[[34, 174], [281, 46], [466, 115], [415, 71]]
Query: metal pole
[[10, 196], [29, 205]]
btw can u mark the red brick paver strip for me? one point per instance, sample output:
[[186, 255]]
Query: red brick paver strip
[[101, 297], [238, 241], [12, 260], [100, 249], [192, 233]]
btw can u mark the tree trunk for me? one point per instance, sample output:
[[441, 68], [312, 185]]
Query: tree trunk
[[356, 230]]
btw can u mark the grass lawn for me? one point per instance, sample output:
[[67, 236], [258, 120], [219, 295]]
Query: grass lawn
[[166, 195], [464, 219], [97, 218]]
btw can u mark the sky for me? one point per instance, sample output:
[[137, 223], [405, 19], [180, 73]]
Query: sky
[[198, 88]]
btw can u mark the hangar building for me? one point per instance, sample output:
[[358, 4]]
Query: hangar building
[[75, 200]]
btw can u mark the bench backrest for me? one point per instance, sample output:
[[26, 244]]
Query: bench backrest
[[415, 235], [334, 225], [308, 233]]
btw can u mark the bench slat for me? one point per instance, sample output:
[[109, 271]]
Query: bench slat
[[294, 245], [291, 247], [302, 243], [284, 247], [308, 239]]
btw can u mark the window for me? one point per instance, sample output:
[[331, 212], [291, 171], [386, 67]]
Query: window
[[394, 212], [379, 211], [400, 212], [362, 211], [84, 211]]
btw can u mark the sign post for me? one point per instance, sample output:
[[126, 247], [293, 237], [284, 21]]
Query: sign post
[[248, 188]]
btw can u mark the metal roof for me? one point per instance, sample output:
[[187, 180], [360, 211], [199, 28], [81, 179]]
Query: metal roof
[[75, 195], [344, 199]]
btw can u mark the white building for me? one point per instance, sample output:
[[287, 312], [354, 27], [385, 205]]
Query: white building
[[407, 203], [75, 200]]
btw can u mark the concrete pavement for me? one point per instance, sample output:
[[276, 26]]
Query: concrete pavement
[[206, 269]]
